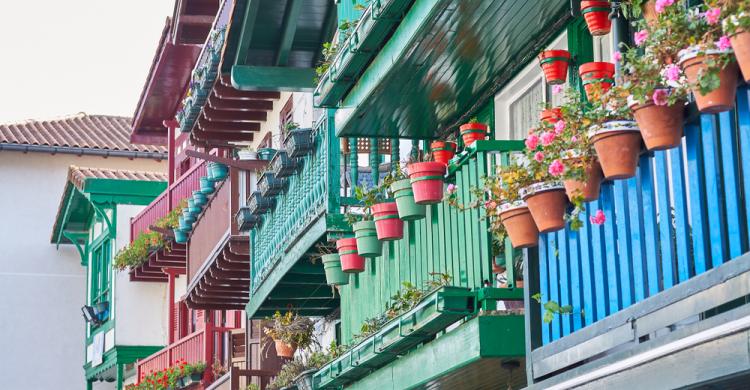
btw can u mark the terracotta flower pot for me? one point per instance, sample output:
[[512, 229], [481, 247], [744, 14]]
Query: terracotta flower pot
[[590, 186], [554, 64], [284, 350], [387, 224], [443, 151], [547, 203], [408, 209], [351, 261], [471, 132], [597, 73], [367, 239], [550, 116], [519, 224], [427, 181], [661, 126], [649, 11], [596, 14], [618, 145], [741, 45], [720, 99]]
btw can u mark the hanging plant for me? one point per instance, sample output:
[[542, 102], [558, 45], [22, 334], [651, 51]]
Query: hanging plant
[[737, 27]]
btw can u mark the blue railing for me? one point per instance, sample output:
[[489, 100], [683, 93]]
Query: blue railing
[[685, 212]]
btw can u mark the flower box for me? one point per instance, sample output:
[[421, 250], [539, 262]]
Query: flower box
[[258, 204], [299, 142], [282, 165], [270, 185], [246, 220]]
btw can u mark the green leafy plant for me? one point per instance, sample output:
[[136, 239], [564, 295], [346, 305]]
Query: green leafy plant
[[168, 377], [252, 386], [368, 197], [291, 328], [551, 308]]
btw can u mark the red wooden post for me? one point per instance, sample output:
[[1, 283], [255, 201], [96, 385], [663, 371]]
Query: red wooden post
[[171, 279], [208, 333]]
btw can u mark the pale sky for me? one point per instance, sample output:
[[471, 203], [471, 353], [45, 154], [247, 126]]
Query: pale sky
[[61, 57]]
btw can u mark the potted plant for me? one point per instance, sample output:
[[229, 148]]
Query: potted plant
[[473, 131], [443, 151], [207, 185], [269, 184], [387, 223], [400, 187], [218, 170], [188, 216], [737, 26], [199, 198], [289, 332], [266, 153], [247, 153], [554, 64], [427, 181], [282, 165], [596, 14], [335, 276], [550, 116], [545, 197], [191, 373], [299, 372], [509, 209], [247, 220], [258, 204], [298, 142], [351, 261], [363, 224], [596, 76], [180, 236], [633, 9]]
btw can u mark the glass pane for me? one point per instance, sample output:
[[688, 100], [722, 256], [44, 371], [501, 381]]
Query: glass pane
[[524, 110]]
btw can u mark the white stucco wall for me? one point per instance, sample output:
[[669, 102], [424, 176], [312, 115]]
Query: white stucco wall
[[41, 288]]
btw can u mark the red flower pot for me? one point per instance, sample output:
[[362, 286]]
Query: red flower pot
[[443, 151], [351, 261], [597, 77], [596, 14], [427, 181], [550, 116], [387, 224], [554, 64], [471, 132]]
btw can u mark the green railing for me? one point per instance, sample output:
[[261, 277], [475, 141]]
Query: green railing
[[310, 194]]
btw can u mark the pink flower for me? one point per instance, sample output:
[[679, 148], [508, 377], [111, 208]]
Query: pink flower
[[712, 15], [452, 188], [662, 4], [559, 126], [672, 72], [640, 37], [556, 168], [539, 156], [599, 218], [660, 97], [723, 43], [532, 142], [617, 56], [557, 88], [547, 138], [490, 204]]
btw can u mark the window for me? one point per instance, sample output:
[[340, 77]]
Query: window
[[101, 271]]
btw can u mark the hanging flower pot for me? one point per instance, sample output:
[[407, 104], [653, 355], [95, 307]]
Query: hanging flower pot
[[207, 185], [258, 204], [247, 220], [443, 151], [299, 142], [351, 261], [334, 275], [547, 203], [554, 64], [694, 62], [195, 209], [284, 350], [266, 153], [408, 209], [387, 224], [661, 126], [188, 216], [270, 185], [180, 236], [218, 171], [282, 165], [185, 226], [246, 154], [588, 187], [519, 224], [618, 145], [648, 9], [550, 116], [741, 45], [367, 239], [473, 131], [597, 77], [427, 181], [199, 198], [596, 14]]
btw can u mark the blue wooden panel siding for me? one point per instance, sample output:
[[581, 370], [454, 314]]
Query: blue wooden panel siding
[[686, 211]]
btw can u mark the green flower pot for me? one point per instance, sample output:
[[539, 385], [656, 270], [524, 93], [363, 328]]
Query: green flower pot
[[408, 210], [367, 239], [218, 171], [207, 186], [185, 225], [199, 198], [334, 274], [180, 236], [188, 216], [266, 153]]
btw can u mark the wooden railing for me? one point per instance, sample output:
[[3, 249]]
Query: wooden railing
[[180, 189], [685, 212]]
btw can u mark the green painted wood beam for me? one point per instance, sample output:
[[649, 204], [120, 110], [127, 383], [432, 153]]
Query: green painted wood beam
[[246, 34], [288, 30], [271, 78], [124, 187]]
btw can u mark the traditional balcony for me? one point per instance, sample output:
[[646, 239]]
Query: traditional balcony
[[666, 272]]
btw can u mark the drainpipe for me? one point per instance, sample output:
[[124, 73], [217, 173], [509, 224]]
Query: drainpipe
[[82, 151], [620, 31]]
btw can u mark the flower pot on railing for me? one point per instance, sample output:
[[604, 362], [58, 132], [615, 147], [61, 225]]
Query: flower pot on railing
[[554, 64], [188, 216], [304, 381], [519, 224], [367, 239], [443, 151], [266, 153], [207, 185], [180, 236], [694, 62], [597, 77], [547, 203], [218, 171], [740, 42], [618, 145], [427, 181], [247, 220], [247, 154], [282, 165], [387, 224], [550, 116], [258, 204], [284, 350], [299, 142], [408, 209], [661, 126], [334, 274], [474, 131], [351, 261], [185, 226], [589, 185], [596, 14], [270, 185], [199, 198], [192, 207]]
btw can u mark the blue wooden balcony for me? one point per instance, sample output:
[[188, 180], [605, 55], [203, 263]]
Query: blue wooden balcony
[[684, 215]]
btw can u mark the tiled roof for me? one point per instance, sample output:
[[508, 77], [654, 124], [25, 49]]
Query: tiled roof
[[103, 132], [78, 175]]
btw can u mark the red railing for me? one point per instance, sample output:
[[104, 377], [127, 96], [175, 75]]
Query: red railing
[[190, 348], [180, 189]]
